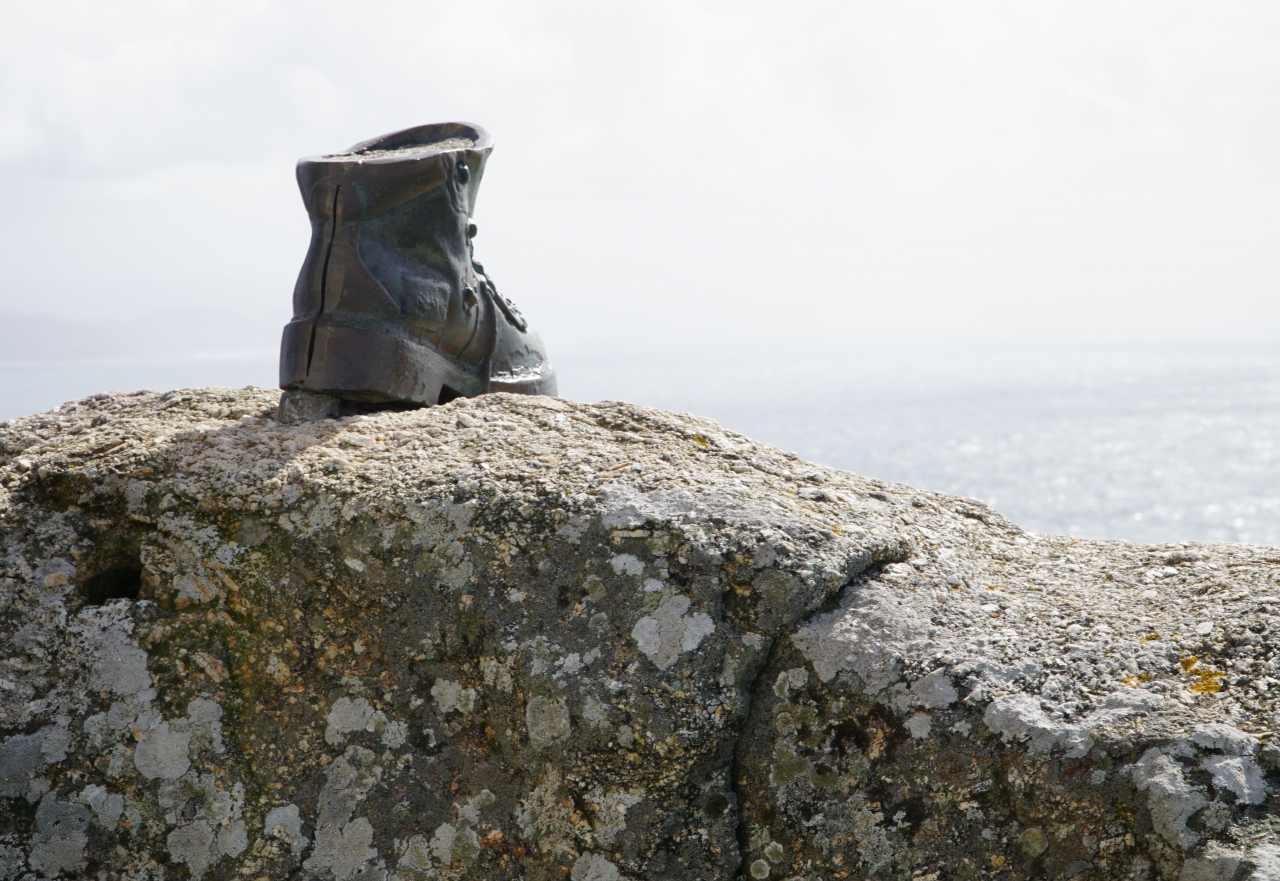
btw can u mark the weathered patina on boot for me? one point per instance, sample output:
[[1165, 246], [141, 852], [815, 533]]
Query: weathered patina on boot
[[390, 305]]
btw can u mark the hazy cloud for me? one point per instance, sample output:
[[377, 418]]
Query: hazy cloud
[[818, 170]]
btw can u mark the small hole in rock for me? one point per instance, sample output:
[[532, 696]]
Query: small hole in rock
[[364, 408], [120, 582], [447, 394]]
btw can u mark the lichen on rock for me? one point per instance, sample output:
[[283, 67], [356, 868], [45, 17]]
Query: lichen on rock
[[521, 637]]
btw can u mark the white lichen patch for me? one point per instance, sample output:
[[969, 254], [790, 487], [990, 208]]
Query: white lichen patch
[[20, 761], [415, 860], [1239, 775], [919, 724], [453, 697], [342, 850], [669, 632], [195, 845], [163, 752], [107, 806], [343, 845], [1226, 738], [284, 823], [348, 780], [610, 811], [348, 715], [593, 867], [935, 691], [120, 665], [61, 834], [1171, 799], [451, 844], [1022, 717], [627, 564]]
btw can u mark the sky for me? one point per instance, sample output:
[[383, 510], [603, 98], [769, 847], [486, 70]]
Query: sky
[[809, 174]]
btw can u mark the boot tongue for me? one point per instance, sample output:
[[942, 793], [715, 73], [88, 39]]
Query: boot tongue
[[441, 146]]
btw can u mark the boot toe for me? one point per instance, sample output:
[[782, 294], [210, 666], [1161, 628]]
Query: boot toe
[[520, 363]]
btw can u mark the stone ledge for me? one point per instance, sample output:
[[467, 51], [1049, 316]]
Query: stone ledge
[[522, 637]]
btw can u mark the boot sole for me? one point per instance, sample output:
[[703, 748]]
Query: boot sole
[[365, 365]]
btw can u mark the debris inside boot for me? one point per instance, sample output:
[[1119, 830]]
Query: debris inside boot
[[433, 147]]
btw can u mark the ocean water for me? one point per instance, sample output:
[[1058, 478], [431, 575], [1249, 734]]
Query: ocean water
[[1172, 443], [1145, 443]]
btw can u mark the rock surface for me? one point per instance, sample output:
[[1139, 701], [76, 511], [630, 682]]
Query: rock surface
[[519, 637]]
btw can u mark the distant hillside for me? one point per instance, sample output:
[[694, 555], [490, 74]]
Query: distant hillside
[[168, 334]]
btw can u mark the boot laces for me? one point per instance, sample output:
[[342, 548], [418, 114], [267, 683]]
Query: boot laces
[[507, 307]]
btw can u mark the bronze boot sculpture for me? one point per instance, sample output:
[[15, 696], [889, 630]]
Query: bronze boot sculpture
[[390, 305]]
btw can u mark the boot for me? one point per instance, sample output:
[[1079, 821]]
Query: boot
[[390, 305]]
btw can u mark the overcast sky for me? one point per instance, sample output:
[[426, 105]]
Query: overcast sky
[[827, 171]]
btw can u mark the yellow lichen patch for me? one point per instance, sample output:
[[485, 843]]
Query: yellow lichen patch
[[1207, 681], [1150, 637], [1133, 681], [701, 440]]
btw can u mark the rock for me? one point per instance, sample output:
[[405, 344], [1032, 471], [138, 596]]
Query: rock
[[1034, 842], [520, 637], [297, 405]]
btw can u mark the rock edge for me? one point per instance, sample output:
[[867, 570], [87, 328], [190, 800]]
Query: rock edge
[[517, 636]]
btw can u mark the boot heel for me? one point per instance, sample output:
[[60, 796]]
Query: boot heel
[[365, 365]]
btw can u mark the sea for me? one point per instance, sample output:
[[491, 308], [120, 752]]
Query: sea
[[1146, 443]]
